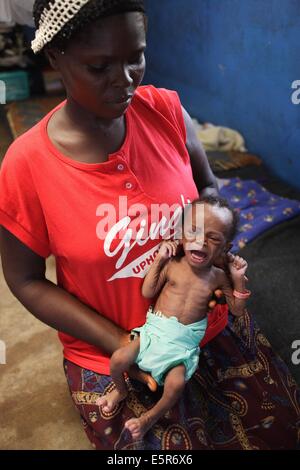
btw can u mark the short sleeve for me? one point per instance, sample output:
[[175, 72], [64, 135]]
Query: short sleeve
[[167, 102], [20, 209]]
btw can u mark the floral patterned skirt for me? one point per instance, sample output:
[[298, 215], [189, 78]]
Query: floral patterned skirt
[[242, 396]]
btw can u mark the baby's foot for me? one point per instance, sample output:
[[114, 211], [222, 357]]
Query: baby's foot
[[138, 426], [109, 401], [151, 383]]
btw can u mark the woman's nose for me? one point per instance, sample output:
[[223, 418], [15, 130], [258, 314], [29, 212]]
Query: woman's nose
[[122, 77]]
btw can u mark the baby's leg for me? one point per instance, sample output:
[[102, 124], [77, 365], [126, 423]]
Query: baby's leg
[[173, 387], [120, 362]]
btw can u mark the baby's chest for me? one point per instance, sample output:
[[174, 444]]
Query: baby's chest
[[190, 287]]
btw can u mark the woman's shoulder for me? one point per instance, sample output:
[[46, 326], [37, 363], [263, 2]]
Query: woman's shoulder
[[164, 103], [157, 97], [162, 100], [31, 142]]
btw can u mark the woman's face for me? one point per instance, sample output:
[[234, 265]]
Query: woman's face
[[104, 64]]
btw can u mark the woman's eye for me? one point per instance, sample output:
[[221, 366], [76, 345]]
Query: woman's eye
[[98, 68]]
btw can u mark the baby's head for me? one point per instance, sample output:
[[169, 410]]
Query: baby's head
[[209, 225]]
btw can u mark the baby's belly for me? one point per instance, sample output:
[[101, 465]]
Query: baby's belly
[[186, 314]]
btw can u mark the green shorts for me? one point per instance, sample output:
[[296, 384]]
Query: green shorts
[[166, 343]]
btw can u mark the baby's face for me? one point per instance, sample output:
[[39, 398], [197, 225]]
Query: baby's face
[[205, 234]]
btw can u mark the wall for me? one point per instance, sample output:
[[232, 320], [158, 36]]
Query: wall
[[233, 63]]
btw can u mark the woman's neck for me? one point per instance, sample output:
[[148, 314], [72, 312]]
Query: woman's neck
[[79, 117]]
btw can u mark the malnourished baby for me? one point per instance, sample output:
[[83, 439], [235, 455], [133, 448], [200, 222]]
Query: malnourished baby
[[168, 343]]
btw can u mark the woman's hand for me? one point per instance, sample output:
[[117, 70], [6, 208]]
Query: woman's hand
[[217, 295]]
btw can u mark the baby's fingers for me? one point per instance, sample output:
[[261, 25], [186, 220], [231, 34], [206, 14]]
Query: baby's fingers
[[239, 262], [175, 247], [163, 251], [170, 249], [242, 264]]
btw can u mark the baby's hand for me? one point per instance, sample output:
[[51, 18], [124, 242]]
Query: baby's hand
[[237, 267], [168, 248]]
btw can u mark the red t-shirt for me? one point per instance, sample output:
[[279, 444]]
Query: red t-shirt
[[59, 206]]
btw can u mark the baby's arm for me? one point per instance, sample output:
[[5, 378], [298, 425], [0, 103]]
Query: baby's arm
[[157, 274], [237, 268]]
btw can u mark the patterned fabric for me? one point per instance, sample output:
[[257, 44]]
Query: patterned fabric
[[242, 396], [258, 208]]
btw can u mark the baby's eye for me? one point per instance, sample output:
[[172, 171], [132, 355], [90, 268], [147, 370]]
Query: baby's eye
[[215, 239]]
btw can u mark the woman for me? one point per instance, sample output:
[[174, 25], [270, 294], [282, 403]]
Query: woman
[[85, 185]]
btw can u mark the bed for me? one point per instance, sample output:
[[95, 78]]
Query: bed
[[274, 267]]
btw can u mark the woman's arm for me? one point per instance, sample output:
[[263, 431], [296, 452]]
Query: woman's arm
[[24, 272], [203, 176]]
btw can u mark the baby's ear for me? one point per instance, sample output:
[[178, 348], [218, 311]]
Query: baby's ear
[[228, 247]]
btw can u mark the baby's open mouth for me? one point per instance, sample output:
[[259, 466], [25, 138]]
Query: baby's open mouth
[[198, 256]]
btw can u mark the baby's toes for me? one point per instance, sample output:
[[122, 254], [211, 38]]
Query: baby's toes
[[108, 407], [132, 424], [104, 404], [102, 401], [136, 435], [134, 427]]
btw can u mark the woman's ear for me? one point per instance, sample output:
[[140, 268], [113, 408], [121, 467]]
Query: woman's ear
[[51, 55]]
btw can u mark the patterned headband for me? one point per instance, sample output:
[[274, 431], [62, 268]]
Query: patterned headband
[[53, 19], [59, 12]]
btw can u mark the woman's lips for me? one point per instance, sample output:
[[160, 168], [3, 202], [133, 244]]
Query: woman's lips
[[122, 100]]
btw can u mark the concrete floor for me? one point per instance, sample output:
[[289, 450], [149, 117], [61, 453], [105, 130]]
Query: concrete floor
[[35, 406], [36, 409]]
